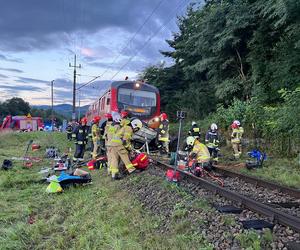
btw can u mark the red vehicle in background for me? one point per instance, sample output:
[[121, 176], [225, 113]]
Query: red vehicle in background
[[140, 98], [22, 123]]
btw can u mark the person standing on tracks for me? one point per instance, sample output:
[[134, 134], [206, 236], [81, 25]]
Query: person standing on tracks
[[212, 139], [110, 129], [80, 135], [95, 136], [199, 152], [163, 134], [236, 136], [121, 145], [69, 130], [195, 130]]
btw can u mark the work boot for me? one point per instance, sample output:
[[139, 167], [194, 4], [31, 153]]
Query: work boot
[[131, 170], [115, 176]]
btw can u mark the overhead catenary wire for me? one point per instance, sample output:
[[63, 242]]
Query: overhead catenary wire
[[127, 44]]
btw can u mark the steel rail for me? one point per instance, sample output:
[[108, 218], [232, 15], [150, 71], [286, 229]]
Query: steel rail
[[259, 182], [274, 214]]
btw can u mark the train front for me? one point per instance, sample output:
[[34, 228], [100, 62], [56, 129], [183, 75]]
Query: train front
[[141, 99]]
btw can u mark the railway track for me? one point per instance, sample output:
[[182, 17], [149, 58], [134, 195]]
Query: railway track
[[277, 215]]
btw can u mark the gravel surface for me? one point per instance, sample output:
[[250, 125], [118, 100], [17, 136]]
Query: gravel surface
[[192, 205]]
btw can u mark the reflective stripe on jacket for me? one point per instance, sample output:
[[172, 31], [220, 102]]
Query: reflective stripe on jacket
[[202, 152], [212, 139], [236, 135], [163, 131]]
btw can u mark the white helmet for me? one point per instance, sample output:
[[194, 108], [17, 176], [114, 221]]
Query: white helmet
[[190, 140], [194, 123], [237, 122], [136, 124], [213, 127], [116, 117]]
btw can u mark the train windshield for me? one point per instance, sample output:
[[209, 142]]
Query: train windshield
[[138, 98]]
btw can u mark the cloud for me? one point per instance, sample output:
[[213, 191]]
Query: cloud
[[3, 76], [31, 24], [21, 88], [5, 58], [12, 70], [30, 80]]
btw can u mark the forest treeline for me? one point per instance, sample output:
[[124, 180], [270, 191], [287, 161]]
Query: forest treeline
[[17, 106], [237, 59]]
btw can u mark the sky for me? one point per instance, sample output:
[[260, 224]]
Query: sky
[[111, 38]]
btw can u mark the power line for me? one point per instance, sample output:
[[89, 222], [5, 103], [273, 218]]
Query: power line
[[127, 44], [150, 38]]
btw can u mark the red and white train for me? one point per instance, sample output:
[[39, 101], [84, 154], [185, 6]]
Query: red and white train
[[140, 98]]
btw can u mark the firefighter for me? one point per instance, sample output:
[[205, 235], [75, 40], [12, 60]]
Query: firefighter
[[236, 136], [80, 135], [109, 130], [195, 130], [125, 118], [199, 151], [95, 136], [212, 140], [69, 130], [163, 134], [121, 145]]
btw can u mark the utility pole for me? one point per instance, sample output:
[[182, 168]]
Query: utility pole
[[52, 116], [75, 66], [79, 96]]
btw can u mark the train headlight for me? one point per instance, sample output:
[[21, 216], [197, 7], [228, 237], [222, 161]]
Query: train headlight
[[137, 85]]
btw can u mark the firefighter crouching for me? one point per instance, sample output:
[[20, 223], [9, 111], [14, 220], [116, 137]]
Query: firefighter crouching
[[212, 140], [109, 130], [199, 152], [69, 130], [80, 135], [236, 136], [163, 134], [95, 136], [121, 145]]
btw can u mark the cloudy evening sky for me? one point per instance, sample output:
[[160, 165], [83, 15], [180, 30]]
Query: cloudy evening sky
[[38, 40]]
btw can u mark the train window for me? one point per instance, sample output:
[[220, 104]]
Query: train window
[[137, 97], [107, 101]]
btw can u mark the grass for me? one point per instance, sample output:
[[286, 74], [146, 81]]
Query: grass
[[283, 171], [98, 216]]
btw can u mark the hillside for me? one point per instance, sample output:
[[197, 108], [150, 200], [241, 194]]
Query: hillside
[[63, 109]]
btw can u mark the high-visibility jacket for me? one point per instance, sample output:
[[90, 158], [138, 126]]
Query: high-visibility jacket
[[95, 132], [80, 134], [194, 131], [212, 139], [122, 137], [201, 151], [163, 131], [237, 134], [109, 131]]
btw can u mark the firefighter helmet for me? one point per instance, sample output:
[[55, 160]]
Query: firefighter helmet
[[96, 119], [237, 122], [213, 127], [163, 116], [124, 114], [190, 140], [116, 117], [194, 123], [84, 120], [136, 124], [108, 116]]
